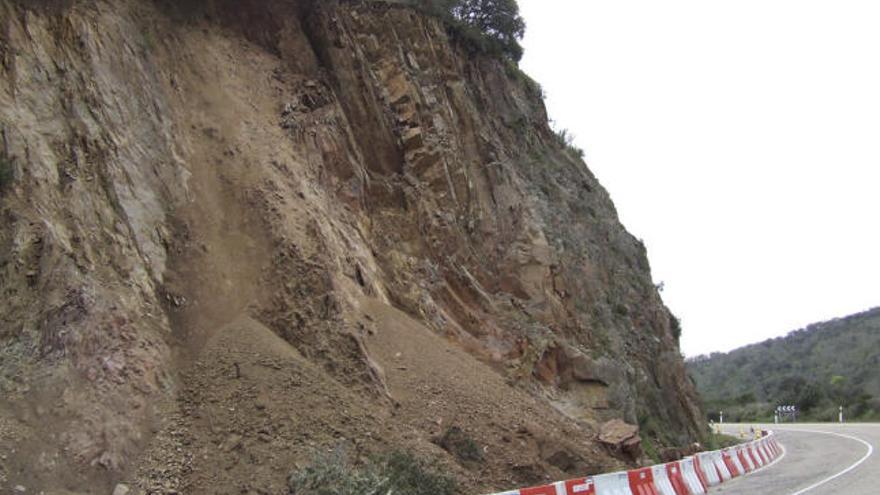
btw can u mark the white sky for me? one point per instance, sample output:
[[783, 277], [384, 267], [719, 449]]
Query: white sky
[[739, 139]]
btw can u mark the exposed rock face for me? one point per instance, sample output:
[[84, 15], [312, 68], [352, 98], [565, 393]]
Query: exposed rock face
[[324, 187]]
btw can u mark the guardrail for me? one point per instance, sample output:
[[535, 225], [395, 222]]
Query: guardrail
[[692, 475]]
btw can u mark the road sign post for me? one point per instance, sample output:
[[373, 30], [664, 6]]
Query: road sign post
[[784, 413]]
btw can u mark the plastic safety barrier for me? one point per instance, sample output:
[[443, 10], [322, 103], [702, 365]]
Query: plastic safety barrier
[[676, 478], [732, 463], [720, 465], [745, 459], [579, 486], [760, 453], [756, 459], [662, 483], [690, 476], [641, 482], [763, 448], [704, 463], [613, 484], [695, 481]]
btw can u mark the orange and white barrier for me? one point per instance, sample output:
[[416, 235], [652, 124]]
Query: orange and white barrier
[[662, 481], [613, 484], [696, 484], [691, 476], [704, 464]]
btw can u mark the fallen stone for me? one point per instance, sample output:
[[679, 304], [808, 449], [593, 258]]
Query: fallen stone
[[621, 437], [615, 432]]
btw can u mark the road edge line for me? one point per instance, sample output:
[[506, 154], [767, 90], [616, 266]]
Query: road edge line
[[845, 471]]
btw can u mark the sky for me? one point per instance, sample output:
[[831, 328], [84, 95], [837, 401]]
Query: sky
[[740, 140]]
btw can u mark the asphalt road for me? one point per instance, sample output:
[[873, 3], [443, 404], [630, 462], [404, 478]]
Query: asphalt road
[[819, 459]]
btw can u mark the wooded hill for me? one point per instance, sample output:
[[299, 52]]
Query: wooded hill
[[817, 368]]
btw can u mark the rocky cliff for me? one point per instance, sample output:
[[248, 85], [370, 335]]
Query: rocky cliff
[[237, 232]]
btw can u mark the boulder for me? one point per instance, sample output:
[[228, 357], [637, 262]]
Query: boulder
[[621, 437]]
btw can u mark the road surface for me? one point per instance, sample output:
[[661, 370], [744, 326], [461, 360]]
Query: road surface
[[819, 459]]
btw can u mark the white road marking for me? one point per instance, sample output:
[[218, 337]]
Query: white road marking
[[838, 475]]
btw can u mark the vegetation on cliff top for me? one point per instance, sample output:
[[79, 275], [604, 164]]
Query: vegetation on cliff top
[[491, 26], [817, 369]]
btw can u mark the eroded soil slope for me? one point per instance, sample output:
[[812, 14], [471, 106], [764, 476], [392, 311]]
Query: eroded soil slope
[[240, 232]]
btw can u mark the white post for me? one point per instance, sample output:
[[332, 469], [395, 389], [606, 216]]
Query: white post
[[721, 417], [776, 418], [841, 414]]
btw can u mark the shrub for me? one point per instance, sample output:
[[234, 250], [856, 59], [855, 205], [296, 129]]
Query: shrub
[[716, 441], [533, 87], [406, 474], [394, 473], [675, 326], [458, 443], [566, 141]]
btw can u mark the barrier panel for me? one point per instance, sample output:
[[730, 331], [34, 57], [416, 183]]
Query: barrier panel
[[704, 463], [582, 486], [760, 453], [662, 483], [775, 446], [692, 477], [613, 484], [766, 452], [756, 459], [721, 466], [539, 490], [641, 482], [732, 463], [769, 450], [675, 475], [701, 474], [744, 459]]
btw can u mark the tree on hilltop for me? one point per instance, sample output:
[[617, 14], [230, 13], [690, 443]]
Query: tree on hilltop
[[498, 21]]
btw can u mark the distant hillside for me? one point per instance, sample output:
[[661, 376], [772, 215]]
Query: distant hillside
[[817, 368]]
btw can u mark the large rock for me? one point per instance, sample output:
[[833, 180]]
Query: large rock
[[621, 437]]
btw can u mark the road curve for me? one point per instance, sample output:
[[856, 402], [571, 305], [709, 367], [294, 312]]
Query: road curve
[[819, 459]]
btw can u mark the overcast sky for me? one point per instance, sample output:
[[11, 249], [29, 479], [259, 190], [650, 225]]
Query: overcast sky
[[740, 140]]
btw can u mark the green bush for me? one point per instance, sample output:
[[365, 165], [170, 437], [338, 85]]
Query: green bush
[[717, 441], [394, 473], [675, 325], [408, 475], [458, 443], [533, 87], [565, 140]]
